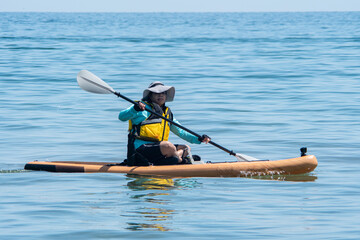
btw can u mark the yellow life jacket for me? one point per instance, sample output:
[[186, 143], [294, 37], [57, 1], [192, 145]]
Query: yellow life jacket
[[153, 128]]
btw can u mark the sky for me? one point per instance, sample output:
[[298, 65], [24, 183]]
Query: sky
[[177, 5]]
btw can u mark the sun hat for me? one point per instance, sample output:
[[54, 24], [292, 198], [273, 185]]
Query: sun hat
[[159, 87]]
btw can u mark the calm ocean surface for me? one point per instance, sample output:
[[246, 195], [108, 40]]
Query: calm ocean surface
[[263, 84]]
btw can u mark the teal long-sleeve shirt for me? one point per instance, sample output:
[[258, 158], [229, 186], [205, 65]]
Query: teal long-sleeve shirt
[[137, 117]]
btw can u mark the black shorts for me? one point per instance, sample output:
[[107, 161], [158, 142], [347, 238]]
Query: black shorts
[[153, 154]]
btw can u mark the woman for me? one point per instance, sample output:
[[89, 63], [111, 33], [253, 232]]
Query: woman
[[148, 134]]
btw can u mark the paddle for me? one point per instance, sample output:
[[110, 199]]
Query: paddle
[[91, 83]]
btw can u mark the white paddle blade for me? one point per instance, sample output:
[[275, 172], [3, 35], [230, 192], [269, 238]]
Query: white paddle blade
[[91, 83], [245, 158]]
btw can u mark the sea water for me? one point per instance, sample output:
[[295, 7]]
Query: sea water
[[262, 84]]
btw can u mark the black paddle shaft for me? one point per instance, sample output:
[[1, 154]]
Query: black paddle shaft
[[176, 124]]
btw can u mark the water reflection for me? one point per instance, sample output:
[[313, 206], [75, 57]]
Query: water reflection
[[153, 218], [152, 198], [147, 183], [154, 211]]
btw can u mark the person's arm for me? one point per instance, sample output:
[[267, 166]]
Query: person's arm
[[184, 134], [128, 114], [133, 112]]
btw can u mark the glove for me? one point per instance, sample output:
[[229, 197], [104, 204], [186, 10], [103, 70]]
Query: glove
[[137, 107], [203, 137]]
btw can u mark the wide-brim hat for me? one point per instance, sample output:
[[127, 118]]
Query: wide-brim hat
[[159, 87]]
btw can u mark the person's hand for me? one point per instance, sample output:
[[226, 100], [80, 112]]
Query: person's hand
[[139, 106], [204, 138]]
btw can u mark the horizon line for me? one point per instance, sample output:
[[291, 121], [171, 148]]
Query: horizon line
[[289, 11]]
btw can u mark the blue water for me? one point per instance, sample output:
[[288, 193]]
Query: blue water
[[263, 84]]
